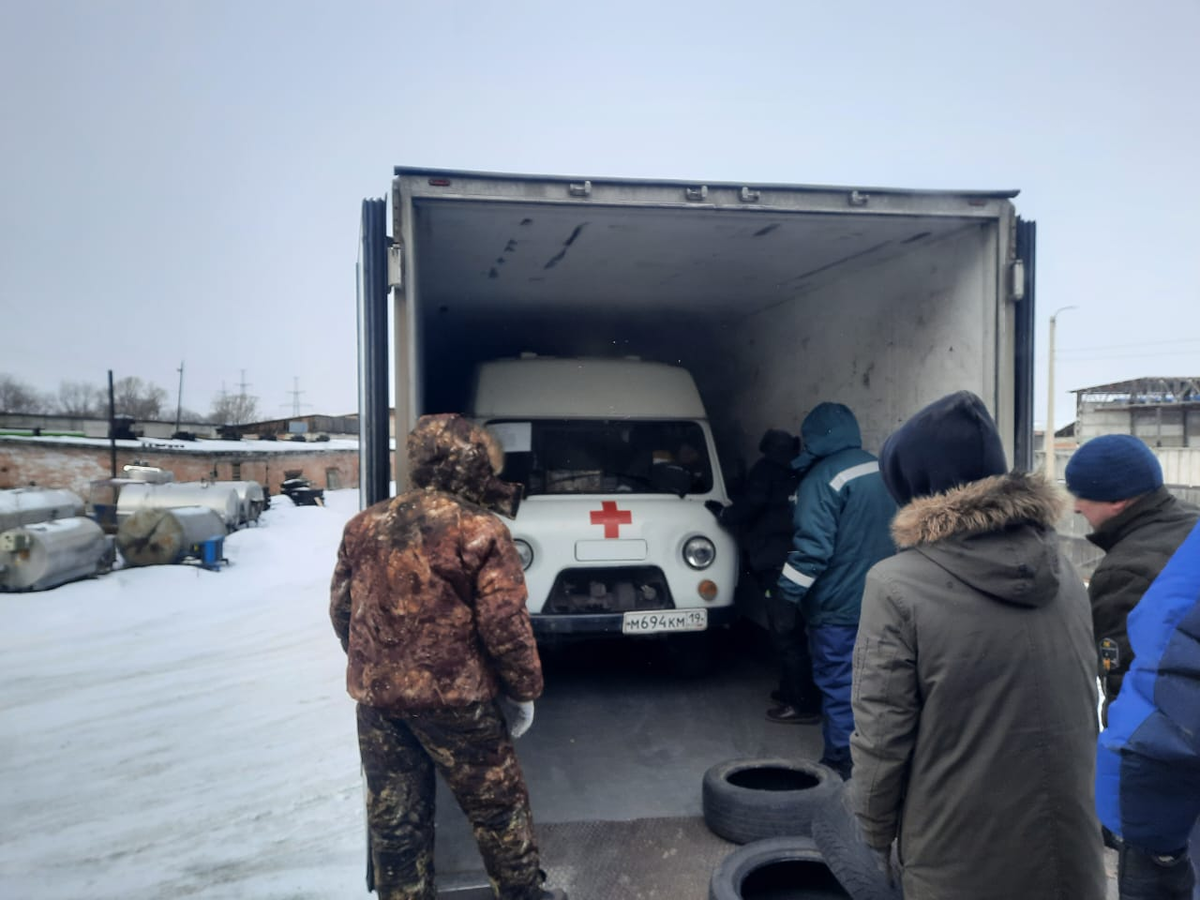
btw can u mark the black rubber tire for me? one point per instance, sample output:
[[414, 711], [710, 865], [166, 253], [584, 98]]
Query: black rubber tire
[[751, 799], [838, 836], [777, 867]]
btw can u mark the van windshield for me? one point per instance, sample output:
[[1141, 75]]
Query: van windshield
[[601, 456]]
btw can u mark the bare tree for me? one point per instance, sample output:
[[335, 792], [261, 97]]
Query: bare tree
[[18, 397], [140, 399], [234, 409], [78, 398]]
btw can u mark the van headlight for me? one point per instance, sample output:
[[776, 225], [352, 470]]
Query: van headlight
[[525, 552], [699, 552]]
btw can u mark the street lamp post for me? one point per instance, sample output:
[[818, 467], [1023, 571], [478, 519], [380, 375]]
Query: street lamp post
[[1048, 441]]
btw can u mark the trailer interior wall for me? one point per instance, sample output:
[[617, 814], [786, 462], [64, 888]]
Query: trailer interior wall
[[884, 336], [771, 309]]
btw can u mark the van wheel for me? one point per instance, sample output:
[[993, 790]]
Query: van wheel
[[777, 867], [751, 799]]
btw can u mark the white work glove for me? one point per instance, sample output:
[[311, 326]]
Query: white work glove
[[519, 714]]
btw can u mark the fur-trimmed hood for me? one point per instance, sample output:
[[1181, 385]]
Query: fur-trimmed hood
[[448, 453], [996, 535]]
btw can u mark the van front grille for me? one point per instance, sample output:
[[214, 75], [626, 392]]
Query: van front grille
[[609, 590]]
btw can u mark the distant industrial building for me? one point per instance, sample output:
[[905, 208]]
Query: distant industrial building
[[1164, 412]]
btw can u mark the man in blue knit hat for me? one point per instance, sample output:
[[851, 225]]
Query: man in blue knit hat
[[1117, 483]]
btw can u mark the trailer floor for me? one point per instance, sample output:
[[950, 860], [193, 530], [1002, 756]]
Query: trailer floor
[[614, 762]]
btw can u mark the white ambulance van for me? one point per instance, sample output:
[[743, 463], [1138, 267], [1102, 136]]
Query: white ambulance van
[[617, 460]]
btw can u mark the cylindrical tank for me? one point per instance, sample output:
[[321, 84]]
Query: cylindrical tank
[[24, 506], [161, 537], [47, 554], [250, 497], [220, 498]]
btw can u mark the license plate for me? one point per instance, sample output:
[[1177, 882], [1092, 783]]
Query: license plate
[[659, 621]]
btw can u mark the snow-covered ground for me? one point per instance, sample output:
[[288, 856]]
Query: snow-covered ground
[[173, 732]]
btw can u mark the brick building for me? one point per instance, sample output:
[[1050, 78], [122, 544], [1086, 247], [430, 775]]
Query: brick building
[[68, 462]]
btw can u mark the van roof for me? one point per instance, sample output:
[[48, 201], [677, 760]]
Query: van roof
[[584, 388]]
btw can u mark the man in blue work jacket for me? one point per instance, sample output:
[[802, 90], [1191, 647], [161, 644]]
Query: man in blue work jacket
[[842, 519]]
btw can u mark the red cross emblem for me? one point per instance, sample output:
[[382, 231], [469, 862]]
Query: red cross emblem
[[611, 518]]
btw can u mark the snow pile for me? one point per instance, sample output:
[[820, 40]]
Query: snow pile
[[173, 732]]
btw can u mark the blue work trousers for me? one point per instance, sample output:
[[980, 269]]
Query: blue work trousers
[[832, 649]]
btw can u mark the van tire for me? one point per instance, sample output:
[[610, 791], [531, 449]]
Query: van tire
[[752, 799], [791, 864]]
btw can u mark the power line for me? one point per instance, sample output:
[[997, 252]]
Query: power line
[[1127, 346], [1193, 353]]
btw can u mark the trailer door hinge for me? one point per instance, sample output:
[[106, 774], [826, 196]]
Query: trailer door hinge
[[1017, 289], [749, 195], [580, 190], [858, 198], [395, 264], [696, 194]]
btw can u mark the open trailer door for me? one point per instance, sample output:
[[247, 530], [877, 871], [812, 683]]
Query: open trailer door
[[374, 470], [1025, 276]]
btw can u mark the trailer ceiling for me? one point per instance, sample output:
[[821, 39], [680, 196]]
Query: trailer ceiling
[[477, 257]]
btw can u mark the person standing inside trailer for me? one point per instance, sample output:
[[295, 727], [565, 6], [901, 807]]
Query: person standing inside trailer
[[975, 677], [761, 518], [841, 528], [428, 601]]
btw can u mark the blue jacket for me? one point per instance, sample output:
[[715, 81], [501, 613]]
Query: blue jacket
[[842, 519], [1148, 761]]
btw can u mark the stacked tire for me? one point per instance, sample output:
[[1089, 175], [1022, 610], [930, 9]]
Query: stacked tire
[[799, 836], [748, 800]]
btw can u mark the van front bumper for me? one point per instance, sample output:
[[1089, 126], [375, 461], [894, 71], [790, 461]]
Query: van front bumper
[[610, 623]]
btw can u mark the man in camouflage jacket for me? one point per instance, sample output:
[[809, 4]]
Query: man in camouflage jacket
[[428, 600]]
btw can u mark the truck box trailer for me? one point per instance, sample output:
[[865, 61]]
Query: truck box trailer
[[773, 297]]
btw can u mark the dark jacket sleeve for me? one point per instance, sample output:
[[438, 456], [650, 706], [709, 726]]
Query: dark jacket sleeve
[[816, 524], [1114, 593], [339, 595], [501, 617], [750, 503], [887, 711]]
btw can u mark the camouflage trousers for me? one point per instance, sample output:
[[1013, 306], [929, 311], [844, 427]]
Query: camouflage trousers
[[471, 748]]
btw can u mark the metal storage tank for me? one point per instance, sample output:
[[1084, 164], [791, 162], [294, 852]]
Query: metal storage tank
[[161, 537], [220, 498], [27, 505], [47, 554], [250, 496], [148, 474]]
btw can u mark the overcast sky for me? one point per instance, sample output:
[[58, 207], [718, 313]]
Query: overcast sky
[[182, 180]]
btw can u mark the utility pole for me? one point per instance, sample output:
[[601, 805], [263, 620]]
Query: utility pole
[[296, 394], [112, 426], [179, 397], [1048, 441]]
